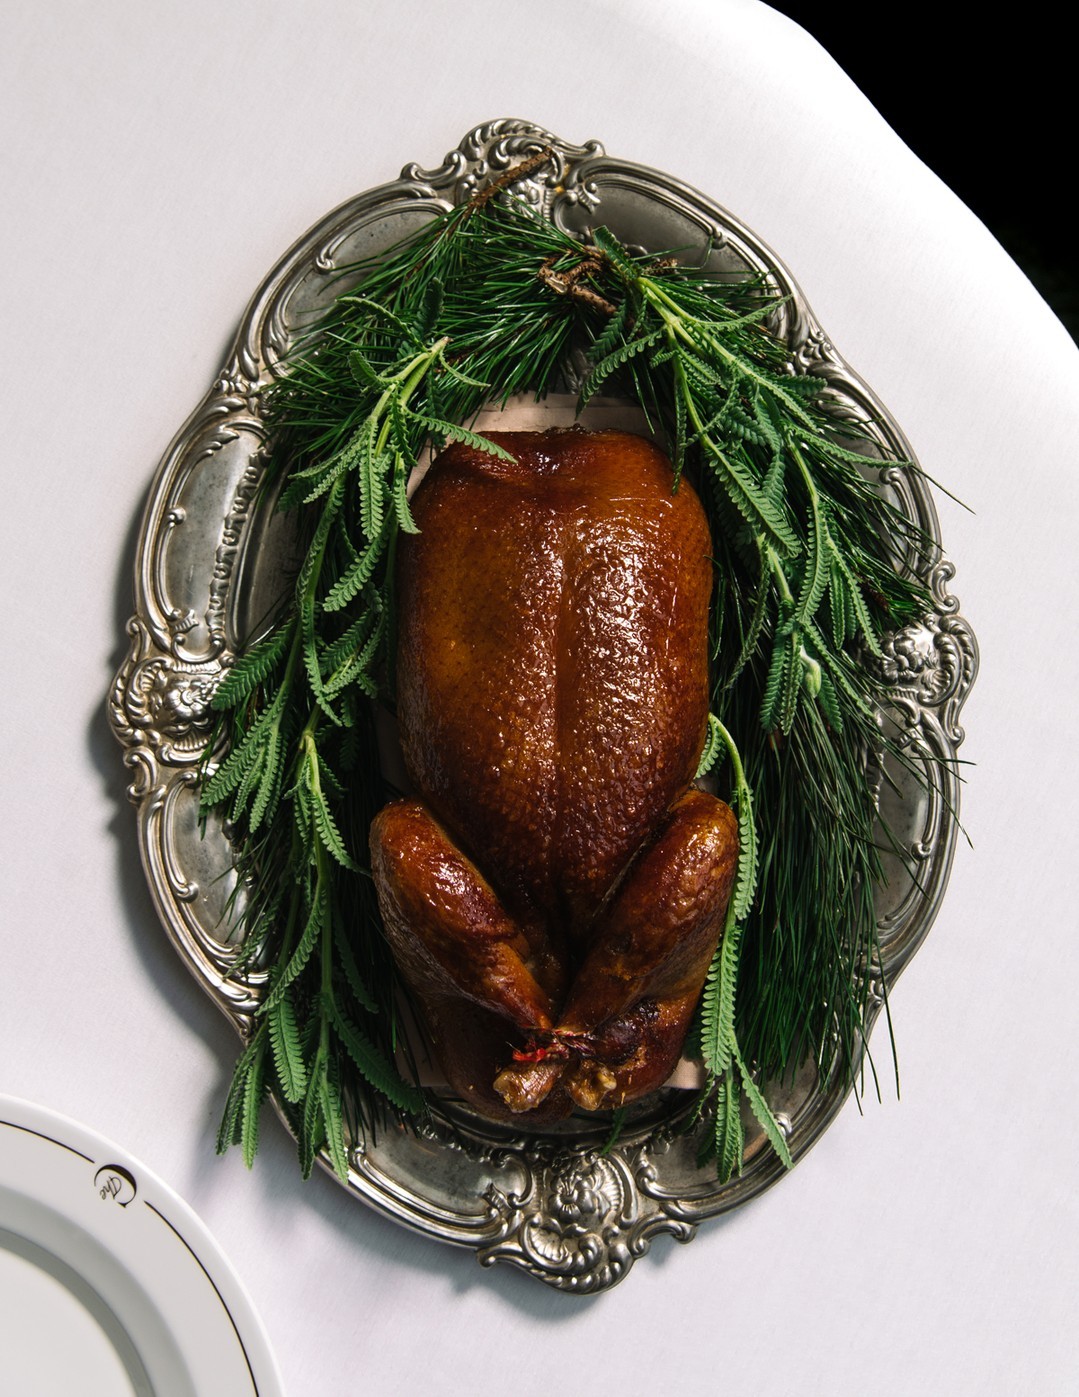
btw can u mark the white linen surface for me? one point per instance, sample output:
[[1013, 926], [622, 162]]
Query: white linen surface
[[157, 160]]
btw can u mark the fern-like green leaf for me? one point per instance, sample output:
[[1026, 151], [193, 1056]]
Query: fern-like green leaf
[[251, 669], [342, 650], [711, 1029], [453, 431], [326, 828], [680, 442], [365, 374], [828, 446], [717, 1017], [769, 423], [730, 1136], [861, 611], [840, 610], [616, 360], [400, 417], [713, 745], [792, 686], [728, 953], [269, 787], [708, 380], [371, 467], [452, 371], [287, 1053], [358, 665], [709, 426], [328, 778], [430, 309], [612, 334], [316, 920], [254, 1093], [239, 761], [229, 1130], [749, 500], [818, 566], [790, 390], [726, 324], [806, 386], [312, 1122], [745, 433], [312, 661], [246, 788], [379, 311], [829, 702], [615, 253], [374, 1067], [763, 1113], [745, 879], [401, 508], [333, 1120], [333, 471], [773, 686], [307, 578], [358, 575], [355, 981], [833, 665]]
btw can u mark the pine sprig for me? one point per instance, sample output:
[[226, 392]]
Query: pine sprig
[[486, 301]]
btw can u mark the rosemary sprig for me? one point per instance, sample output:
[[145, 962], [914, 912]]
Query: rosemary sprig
[[813, 565]]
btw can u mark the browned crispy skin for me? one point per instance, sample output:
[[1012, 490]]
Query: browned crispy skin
[[557, 891], [552, 662], [488, 983], [630, 1002], [484, 981]]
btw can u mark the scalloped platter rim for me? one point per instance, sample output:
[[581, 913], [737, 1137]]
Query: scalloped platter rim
[[558, 1205]]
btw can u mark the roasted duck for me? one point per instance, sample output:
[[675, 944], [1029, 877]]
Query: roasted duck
[[556, 888]]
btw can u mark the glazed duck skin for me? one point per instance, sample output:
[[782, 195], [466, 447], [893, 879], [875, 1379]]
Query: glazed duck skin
[[554, 893]]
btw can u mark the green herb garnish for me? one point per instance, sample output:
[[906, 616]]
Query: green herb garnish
[[814, 565]]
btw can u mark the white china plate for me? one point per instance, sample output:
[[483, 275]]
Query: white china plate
[[109, 1283]]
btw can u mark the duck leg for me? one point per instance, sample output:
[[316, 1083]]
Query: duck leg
[[485, 979], [630, 1003]]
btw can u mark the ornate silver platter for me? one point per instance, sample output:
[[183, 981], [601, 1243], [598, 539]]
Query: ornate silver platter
[[210, 562]]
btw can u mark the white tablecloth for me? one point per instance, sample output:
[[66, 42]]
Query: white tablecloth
[[157, 160]]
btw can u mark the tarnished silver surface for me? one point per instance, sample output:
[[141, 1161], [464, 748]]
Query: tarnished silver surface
[[210, 562]]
